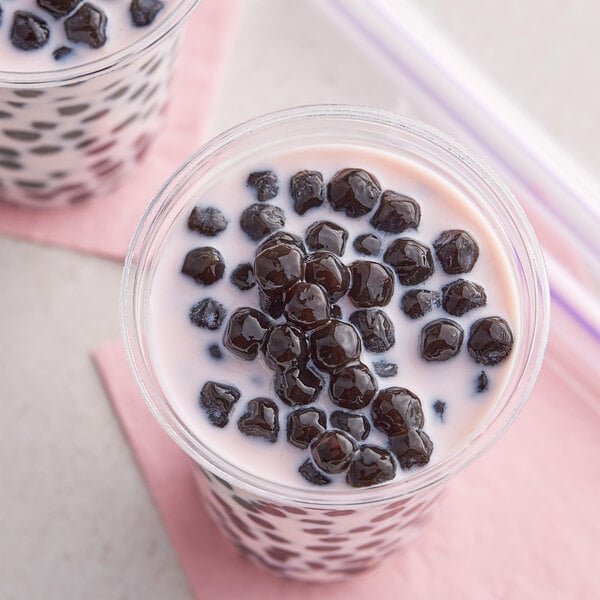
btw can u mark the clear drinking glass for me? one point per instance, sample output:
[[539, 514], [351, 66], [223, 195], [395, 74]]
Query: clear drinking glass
[[310, 534], [71, 134]]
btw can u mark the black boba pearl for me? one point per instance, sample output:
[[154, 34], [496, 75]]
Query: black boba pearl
[[87, 26], [396, 213], [461, 296], [441, 340], [259, 220], [308, 470], [58, 8], [28, 32], [272, 304], [243, 277], [281, 237], [304, 425], [412, 448], [334, 345], [370, 465], [217, 400], [284, 346], [368, 244], [264, 183], [417, 303], [456, 250], [325, 235], [207, 221], [298, 386], [245, 331], [307, 190], [143, 12], [372, 284], [328, 271], [490, 341], [215, 351], [353, 191], [355, 424], [396, 410], [204, 265], [332, 451], [352, 386], [482, 383], [261, 419], [61, 52], [208, 314], [383, 368], [307, 305], [278, 267], [375, 328], [411, 260]]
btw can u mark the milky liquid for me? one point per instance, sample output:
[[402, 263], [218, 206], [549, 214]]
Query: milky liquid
[[120, 33], [179, 349]]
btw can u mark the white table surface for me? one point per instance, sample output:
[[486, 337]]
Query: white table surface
[[76, 520]]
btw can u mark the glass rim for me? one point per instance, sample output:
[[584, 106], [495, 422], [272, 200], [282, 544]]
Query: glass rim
[[512, 400], [74, 74]]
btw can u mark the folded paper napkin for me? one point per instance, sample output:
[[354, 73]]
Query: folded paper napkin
[[521, 522], [104, 226]]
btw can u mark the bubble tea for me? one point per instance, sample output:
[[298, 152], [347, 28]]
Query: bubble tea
[[83, 86], [333, 324]]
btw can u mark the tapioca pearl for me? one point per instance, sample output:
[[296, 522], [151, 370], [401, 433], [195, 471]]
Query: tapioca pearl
[[333, 540], [37, 185], [16, 104], [281, 554], [73, 134], [338, 557], [151, 93], [101, 148], [385, 516], [261, 522], [297, 511], [124, 124], [222, 502], [339, 513], [81, 197], [118, 93], [362, 529], [44, 125], [42, 150], [317, 531], [95, 116], [241, 526], [369, 545], [9, 152], [109, 169], [28, 93], [316, 521], [21, 135], [244, 503], [13, 166], [137, 93], [155, 66], [399, 504], [316, 566], [324, 549], [5, 115], [74, 109], [389, 528], [86, 143], [270, 509], [276, 538]]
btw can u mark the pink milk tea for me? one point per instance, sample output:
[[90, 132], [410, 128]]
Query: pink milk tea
[[319, 480]]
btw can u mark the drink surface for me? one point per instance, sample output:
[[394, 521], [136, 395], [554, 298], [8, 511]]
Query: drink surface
[[453, 407], [47, 35]]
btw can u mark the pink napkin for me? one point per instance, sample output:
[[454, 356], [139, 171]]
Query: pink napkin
[[521, 522], [104, 226]]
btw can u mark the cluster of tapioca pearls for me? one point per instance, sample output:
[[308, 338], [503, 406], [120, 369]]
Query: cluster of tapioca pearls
[[84, 23], [313, 340], [296, 540]]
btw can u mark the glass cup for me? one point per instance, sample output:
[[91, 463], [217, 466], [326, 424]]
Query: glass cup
[[310, 534], [71, 134]]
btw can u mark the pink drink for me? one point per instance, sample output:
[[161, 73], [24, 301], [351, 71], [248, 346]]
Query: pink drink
[[252, 486], [72, 127]]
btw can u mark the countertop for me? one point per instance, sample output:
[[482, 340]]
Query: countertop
[[76, 520]]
